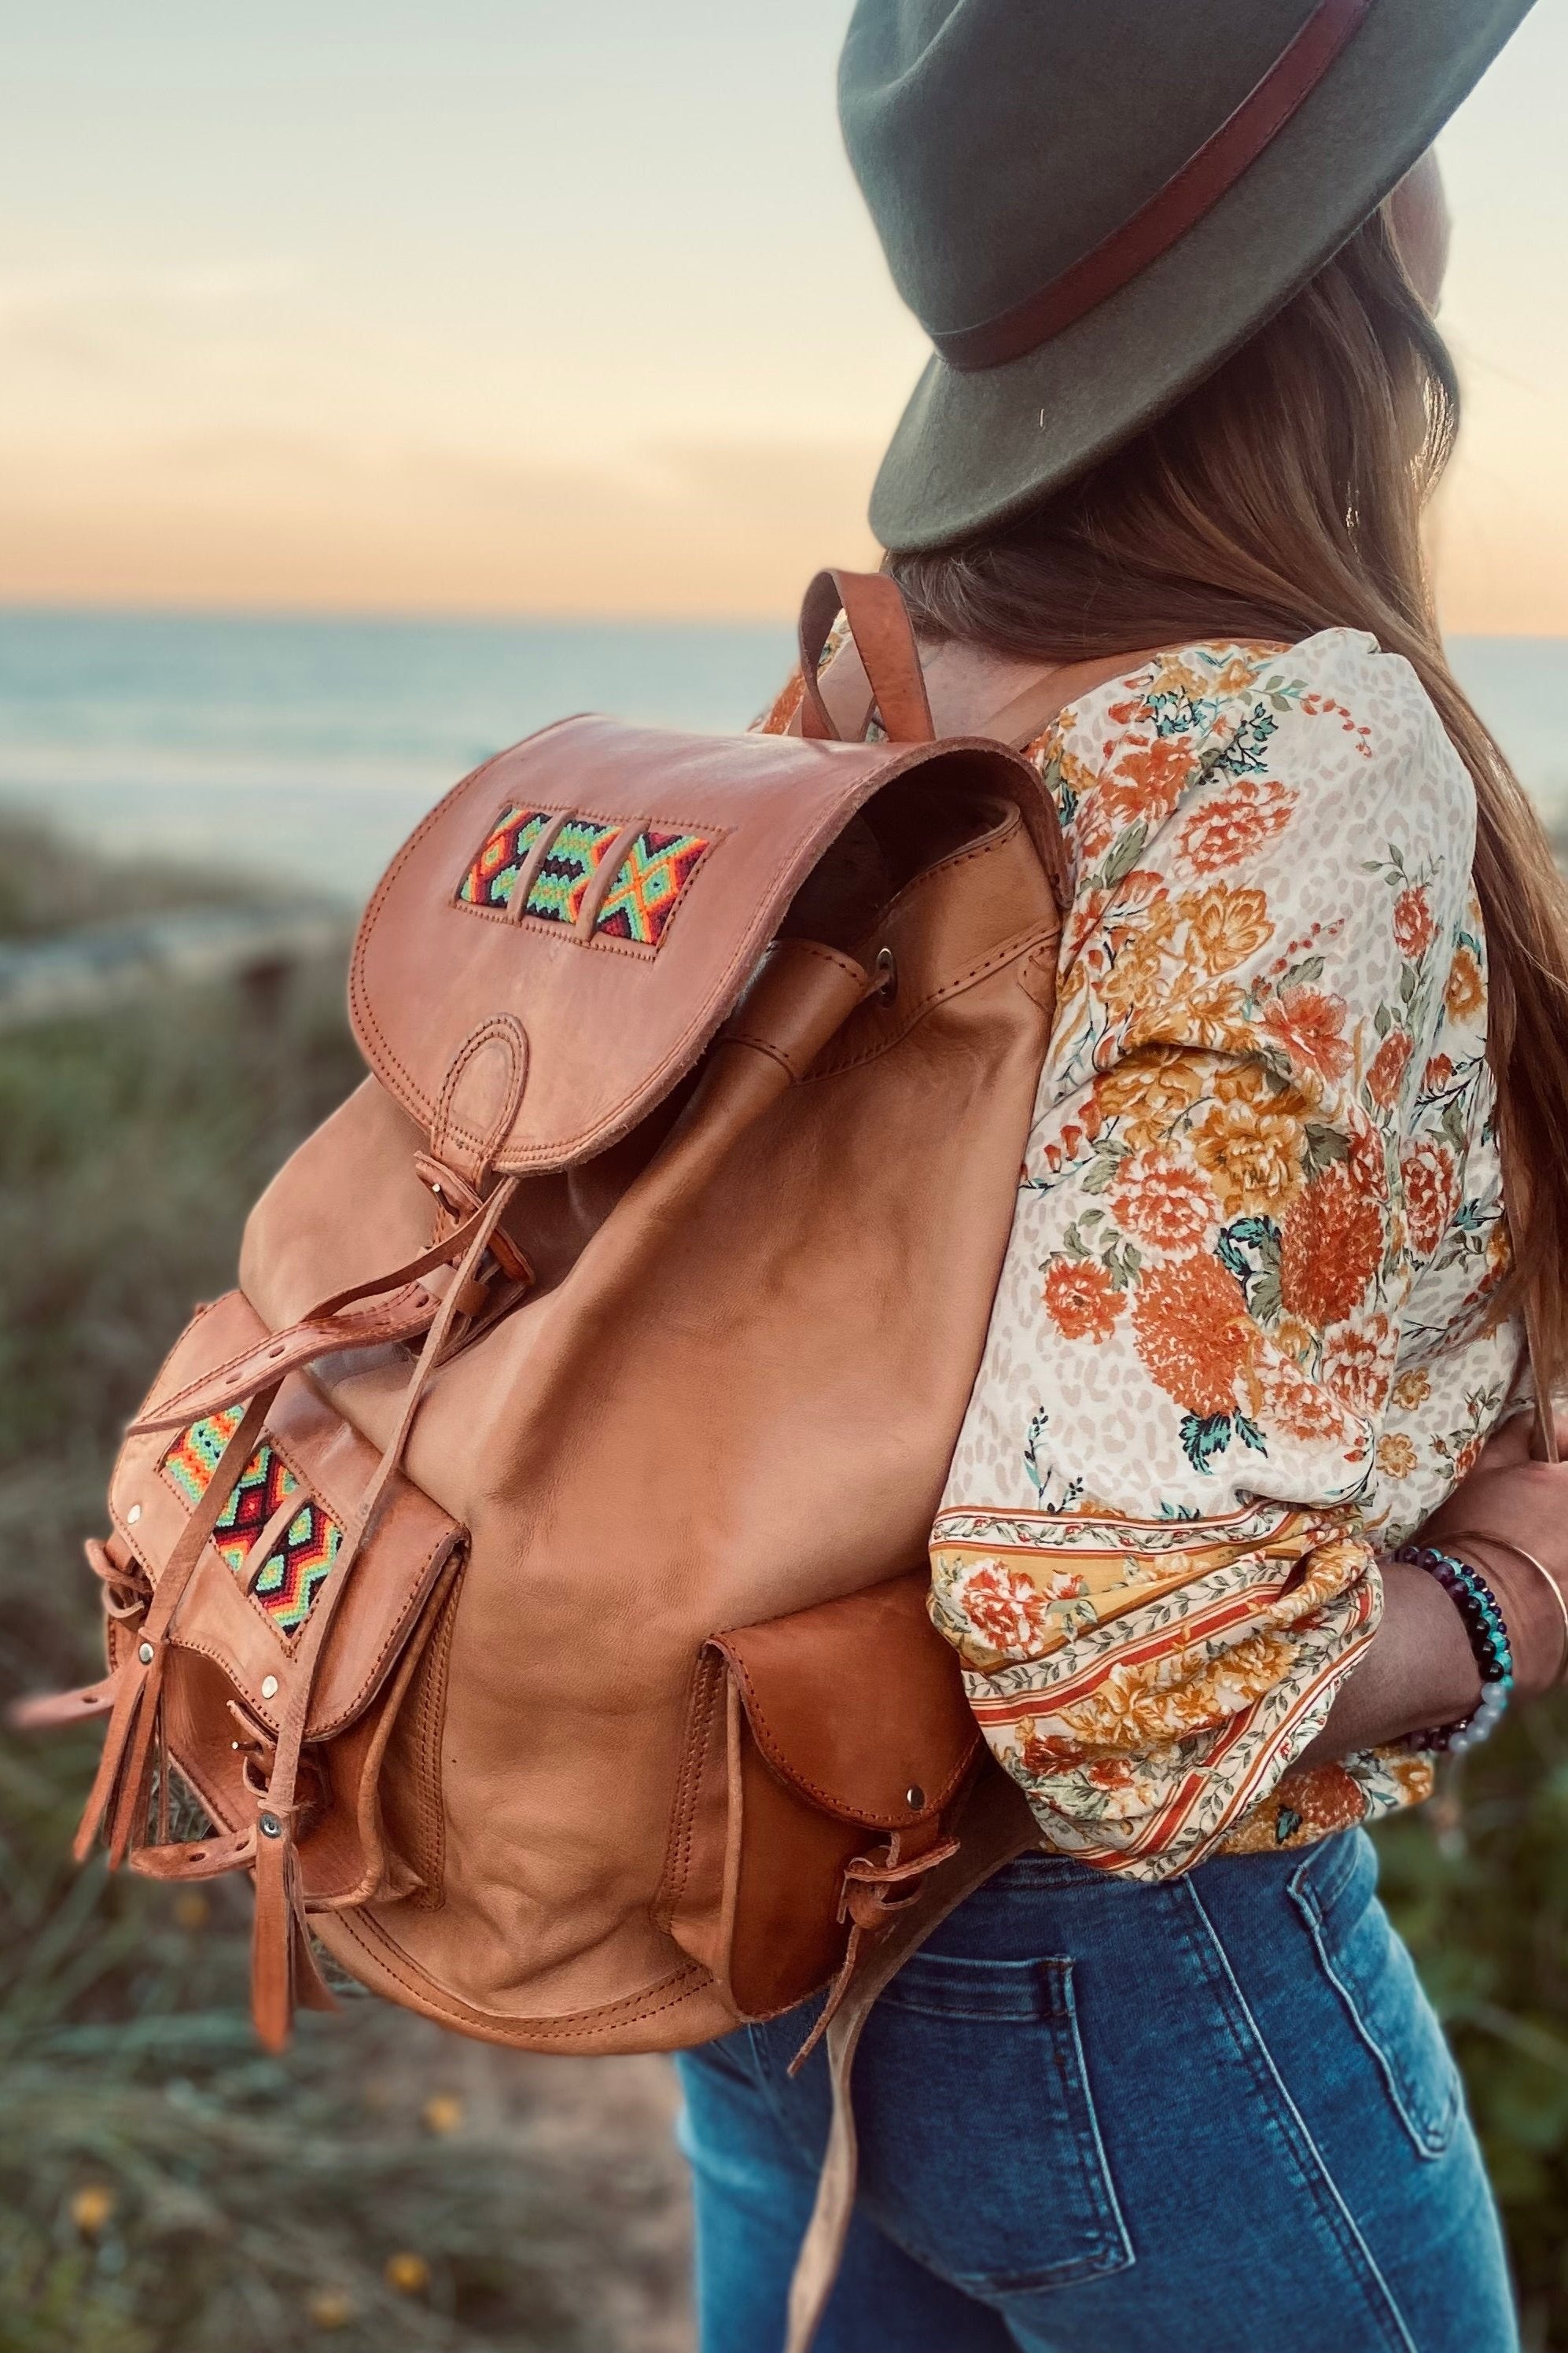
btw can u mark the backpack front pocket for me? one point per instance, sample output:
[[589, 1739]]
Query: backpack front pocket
[[243, 1632]]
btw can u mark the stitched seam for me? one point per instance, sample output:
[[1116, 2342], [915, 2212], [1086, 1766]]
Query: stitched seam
[[1113, 2249], [762, 1045], [429, 1721], [707, 1684], [208, 1307], [502, 1028], [998, 959], [767, 1739], [1430, 2139], [536, 2029], [1255, 2054], [998, 838]]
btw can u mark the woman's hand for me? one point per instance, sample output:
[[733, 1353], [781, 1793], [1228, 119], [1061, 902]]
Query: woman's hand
[[1512, 1497], [1420, 1669]]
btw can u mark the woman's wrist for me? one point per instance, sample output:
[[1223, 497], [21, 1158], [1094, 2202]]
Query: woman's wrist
[[1533, 1617]]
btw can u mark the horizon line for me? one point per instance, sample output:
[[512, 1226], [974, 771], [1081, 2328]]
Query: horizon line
[[523, 616]]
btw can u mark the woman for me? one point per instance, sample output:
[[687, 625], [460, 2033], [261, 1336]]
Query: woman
[[1170, 2082]]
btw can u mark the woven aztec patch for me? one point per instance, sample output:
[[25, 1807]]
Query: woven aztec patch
[[193, 1458], [492, 878], [293, 1572], [570, 863], [643, 896]]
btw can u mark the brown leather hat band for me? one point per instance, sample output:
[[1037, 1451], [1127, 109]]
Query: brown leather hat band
[[1174, 209]]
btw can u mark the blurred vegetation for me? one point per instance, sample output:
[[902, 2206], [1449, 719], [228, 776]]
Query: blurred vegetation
[[164, 2187]]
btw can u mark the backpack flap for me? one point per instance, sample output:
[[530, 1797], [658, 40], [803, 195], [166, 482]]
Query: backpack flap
[[236, 1639], [552, 950], [799, 1783]]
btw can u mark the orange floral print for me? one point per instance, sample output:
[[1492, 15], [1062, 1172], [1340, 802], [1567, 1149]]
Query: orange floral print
[[1358, 1364], [1414, 929], [1082, 1300], [1193, 1333], [1252, 1154], [1007, 1610], [1397, 1456], [1298, 1405], [1236, 1193], [1308, 1025], [1331, 1249], [1465, 995], [1388, 1065], [1431, 1195], [1234, 825], [1226, 925], [1147, 1093], [1147, 781], [1162, 1201]]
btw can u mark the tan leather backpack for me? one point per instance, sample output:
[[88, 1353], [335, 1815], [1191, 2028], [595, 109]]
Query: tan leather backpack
[[525, 1567]]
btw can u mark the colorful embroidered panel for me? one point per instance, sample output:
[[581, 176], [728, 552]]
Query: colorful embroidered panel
[[643, 896], [492, 878], [294, 1571], [297, 1569], [573, 858], [193, 1456], [264, 1483]]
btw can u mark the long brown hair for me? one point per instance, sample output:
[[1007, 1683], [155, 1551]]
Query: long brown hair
[[1286, 496]]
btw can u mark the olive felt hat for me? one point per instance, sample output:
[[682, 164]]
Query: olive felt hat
[[1089, 204]]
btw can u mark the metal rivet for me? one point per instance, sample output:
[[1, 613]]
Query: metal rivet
[[885, 970], [144, 1652], [914, 1795], [270, 1827], [132, 1516], [268, 1686]]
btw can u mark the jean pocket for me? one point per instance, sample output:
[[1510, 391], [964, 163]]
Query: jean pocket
[[1336, 1892], [980, 2152]]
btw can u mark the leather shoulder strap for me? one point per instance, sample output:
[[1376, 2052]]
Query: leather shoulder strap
[[879, 620]]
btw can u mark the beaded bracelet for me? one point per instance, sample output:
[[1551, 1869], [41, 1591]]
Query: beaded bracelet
[[1477, 1604]]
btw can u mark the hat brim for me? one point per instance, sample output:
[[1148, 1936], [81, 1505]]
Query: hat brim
[[975, 447]]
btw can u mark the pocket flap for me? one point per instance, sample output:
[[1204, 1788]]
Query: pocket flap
[[294, 1502], [858, 1704]]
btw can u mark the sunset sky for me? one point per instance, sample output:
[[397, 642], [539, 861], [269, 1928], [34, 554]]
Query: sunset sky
[[497, 307]]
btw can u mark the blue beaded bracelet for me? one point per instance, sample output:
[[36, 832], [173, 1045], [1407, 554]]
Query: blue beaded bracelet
[[1484, 1623]]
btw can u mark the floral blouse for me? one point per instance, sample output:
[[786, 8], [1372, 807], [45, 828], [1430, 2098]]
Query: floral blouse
[[1242, 1337]]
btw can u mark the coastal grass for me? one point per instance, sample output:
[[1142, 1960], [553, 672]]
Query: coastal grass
[[166, 2188]]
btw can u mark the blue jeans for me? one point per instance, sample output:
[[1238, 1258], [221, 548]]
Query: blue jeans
[[1213, 2117]]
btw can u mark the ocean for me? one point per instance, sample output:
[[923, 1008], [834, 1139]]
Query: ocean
[[305, 749]]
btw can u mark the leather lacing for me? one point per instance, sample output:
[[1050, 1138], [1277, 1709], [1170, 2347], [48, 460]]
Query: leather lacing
[[866, 1902]]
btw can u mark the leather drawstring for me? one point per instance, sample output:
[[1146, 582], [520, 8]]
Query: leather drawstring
[[327, 1330]]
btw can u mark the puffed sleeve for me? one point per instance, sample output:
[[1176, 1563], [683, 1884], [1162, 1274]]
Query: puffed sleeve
[[1153, 1554]]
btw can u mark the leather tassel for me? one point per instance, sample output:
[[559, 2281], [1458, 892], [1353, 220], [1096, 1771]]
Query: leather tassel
[[131, 1686], [283, 1971], [127, 1821]]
